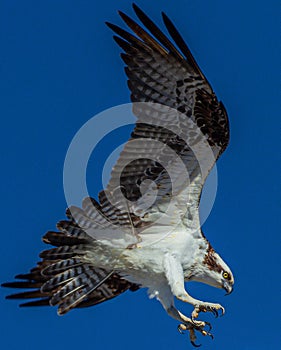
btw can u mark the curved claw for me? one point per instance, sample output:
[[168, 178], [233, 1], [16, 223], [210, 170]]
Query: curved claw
[[209, 325], [209, 334], [215, 312], [195, 345], [193, 321], [195, 326], [180, 330], [222, 311], [205, 333]]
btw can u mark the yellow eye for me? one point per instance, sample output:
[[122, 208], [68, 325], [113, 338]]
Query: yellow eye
[[225, 275]]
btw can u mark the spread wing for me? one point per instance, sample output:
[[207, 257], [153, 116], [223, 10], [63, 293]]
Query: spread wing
[[180, 123], [63, 278]]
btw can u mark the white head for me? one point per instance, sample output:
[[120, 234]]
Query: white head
[[214, 271]]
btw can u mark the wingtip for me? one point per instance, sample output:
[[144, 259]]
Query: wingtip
[[39, 302], [112, 26], [12, 296], [136, 8], [122, 14], [108, 24], [122, 43], [9, 297], [5, 285], [134, 5], [126, 18], [165, 18], [141, 15], [10, 284], [168, 22], [20, 276]]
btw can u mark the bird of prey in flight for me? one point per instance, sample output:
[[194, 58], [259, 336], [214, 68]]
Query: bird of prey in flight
[[144, 231]]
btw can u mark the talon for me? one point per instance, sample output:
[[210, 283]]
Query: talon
[[182, 328], [193, 325], [209, 325], [209, 334], [215, 312], [222, 311], [193, 321], [180, 331], [198, 324], [195, 345]]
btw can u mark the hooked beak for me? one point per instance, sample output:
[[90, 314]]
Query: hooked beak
[[228, 288]]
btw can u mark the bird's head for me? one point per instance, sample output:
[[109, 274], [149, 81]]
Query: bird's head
[[215, 272]]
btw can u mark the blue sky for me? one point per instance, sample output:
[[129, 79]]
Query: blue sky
[[59, 67]]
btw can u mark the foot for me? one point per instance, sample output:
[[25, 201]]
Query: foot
[[205, 307], [193, 326]]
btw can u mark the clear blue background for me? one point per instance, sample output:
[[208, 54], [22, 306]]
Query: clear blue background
[[59, 67]]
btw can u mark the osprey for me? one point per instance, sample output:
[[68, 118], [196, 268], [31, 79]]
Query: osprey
[[144, 229]]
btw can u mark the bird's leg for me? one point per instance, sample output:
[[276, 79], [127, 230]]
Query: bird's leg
[[200, 306], [174, 274], [189, 325], [166, 298]]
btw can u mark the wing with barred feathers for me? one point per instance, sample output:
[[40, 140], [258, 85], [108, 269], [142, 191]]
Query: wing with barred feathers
[[63, 278], [178, 117], [113, 286]]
